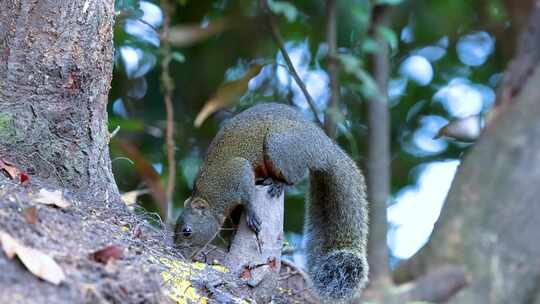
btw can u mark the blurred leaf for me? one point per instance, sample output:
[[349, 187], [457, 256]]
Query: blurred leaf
[[190, 34], [128, 8], [353, 65], [360, 14], [284, 8], [369, 87], [190, 167], [370, 46], [465, 129], [178, 56], [130, 198], [389, 36], [227, 94], [125, 4], [133, 125], [388, 2]]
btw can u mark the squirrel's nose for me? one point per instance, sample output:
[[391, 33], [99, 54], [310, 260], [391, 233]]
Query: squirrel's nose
[[186, 231]]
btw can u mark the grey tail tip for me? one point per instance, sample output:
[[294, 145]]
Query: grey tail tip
[[340, 275]]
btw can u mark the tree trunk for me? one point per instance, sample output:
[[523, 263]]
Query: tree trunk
[[490, 220], [55, 72]]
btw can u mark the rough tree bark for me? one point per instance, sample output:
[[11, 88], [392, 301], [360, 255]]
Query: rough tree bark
[[55, 73], [490, 220]]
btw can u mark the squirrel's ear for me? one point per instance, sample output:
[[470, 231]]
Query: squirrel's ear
[[199, 203], [186, 202]]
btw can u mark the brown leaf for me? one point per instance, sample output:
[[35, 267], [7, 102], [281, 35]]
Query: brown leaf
[[55, 198], [246, 273], [24, 178], [9, 245], [227, 94], [130, 198], [272, 262], [38, 263], [465, 129], [31, 215], [109, 253], [190, 34], [9, 169]]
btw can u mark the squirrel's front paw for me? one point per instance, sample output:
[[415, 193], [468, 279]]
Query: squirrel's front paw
[[253, 221], [276, 187]]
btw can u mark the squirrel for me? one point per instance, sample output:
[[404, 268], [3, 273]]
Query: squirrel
[[273, 144]]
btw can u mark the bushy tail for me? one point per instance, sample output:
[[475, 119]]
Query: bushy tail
[[336, 228]]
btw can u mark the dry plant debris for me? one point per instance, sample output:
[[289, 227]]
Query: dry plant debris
[[38, 263], [55, 198]]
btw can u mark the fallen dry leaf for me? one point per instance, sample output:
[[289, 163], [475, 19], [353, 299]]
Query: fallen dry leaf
[[38, 263], [55, 198], [24, 178], [109, 253], [245, 274], [31, 215], [11, 171], [272, 262], [9, 245], [130, 198]]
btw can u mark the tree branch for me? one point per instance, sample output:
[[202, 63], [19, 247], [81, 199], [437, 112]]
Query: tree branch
[[279, 41], [333, 69], [168, 87], [437, 286], [378, 161], [256, 259]]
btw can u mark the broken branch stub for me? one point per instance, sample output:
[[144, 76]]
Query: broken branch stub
[[256, 259]]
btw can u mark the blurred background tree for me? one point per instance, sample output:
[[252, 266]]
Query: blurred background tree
[[445, 61]]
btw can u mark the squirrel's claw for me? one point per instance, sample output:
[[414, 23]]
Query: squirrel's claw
[[253, 221], [276, 188]]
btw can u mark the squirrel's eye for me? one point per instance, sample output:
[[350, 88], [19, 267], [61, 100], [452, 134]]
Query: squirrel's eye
[[186, 231]]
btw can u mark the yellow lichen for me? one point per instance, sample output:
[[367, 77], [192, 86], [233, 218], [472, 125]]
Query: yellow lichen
[[220, 268], [177, 281], [198, 265]]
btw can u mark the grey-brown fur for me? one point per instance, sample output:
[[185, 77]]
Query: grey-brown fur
[[280, 140]]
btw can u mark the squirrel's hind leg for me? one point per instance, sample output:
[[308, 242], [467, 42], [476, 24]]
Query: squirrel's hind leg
[[291, 152]]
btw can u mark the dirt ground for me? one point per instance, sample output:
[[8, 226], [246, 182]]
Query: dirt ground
[[145, 268]]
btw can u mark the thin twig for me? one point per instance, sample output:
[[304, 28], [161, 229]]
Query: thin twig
[[279, 41], [168, 87], [333, 69]]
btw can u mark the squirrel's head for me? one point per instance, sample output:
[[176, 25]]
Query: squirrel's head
[[196, 226]]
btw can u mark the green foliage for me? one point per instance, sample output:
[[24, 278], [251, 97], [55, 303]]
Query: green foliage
[[354, 66], [388, 2], [370, 46], [177, 56], [198, 70], [284, 8], [389, 36], [128, 8]]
